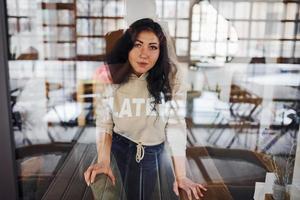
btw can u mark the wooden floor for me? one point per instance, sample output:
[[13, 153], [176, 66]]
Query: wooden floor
[[69, 181], [208, 165]]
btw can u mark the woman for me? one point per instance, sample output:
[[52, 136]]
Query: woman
[[138, 113]]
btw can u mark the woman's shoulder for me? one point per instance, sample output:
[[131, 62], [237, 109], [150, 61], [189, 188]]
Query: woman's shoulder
[[102, 75], [179, 76], [179, 80]]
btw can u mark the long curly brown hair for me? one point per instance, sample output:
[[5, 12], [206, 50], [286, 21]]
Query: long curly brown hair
[[158, 76]]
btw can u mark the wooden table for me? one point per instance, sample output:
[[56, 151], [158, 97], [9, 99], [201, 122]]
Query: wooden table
[[280, 93], [268, 197], [218, 188]]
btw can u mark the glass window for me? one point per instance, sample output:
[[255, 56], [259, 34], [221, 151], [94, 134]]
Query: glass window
[[83, 8], [289, 30], [277, 9], [200, 49], [242, 10], [227, 9], [50, 17], [291, 11], [234, 98], [66, 34], [109, 25], [171, 25], [242, 29], [95, 8], [82, 26], [109, 8], [196, 14], [93, 46], [258, 29], [59, 51], [65, 17], [222, 49], [169, 9], [159, 8], [297, 50], [195, 34], [256, 48], [176, 14], [182, 28], [181, 47], [206, 19], [287, 48], [183, 9], [11, 8], [24, 24], [257, 7], [121, 24], [273, 30], [272, 48], [298, 31], [12, 25], [120, 8], [242, 48]]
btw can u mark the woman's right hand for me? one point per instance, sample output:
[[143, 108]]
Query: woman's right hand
[[98, 168]]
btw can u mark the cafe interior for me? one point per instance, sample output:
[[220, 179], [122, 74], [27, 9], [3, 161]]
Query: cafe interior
[[241, 63]]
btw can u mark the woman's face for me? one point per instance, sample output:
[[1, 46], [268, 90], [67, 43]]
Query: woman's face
[[145, 52]]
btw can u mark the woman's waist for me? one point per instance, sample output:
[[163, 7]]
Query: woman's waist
[[129, 140], [138, 148], [144, 136]]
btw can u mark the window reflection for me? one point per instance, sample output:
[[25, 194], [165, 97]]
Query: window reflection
[[241, 60], [220, 44]]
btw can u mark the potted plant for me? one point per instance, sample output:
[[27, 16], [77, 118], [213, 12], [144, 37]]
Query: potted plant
[[282, 164], [283, 169]]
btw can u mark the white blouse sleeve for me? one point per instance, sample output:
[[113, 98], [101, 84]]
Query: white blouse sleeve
[[176, 127], [104, 99]]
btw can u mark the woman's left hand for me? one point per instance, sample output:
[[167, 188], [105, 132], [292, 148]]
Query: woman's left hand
[[189, 187]]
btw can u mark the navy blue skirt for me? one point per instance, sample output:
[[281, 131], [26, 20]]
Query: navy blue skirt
[[146, 171]]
